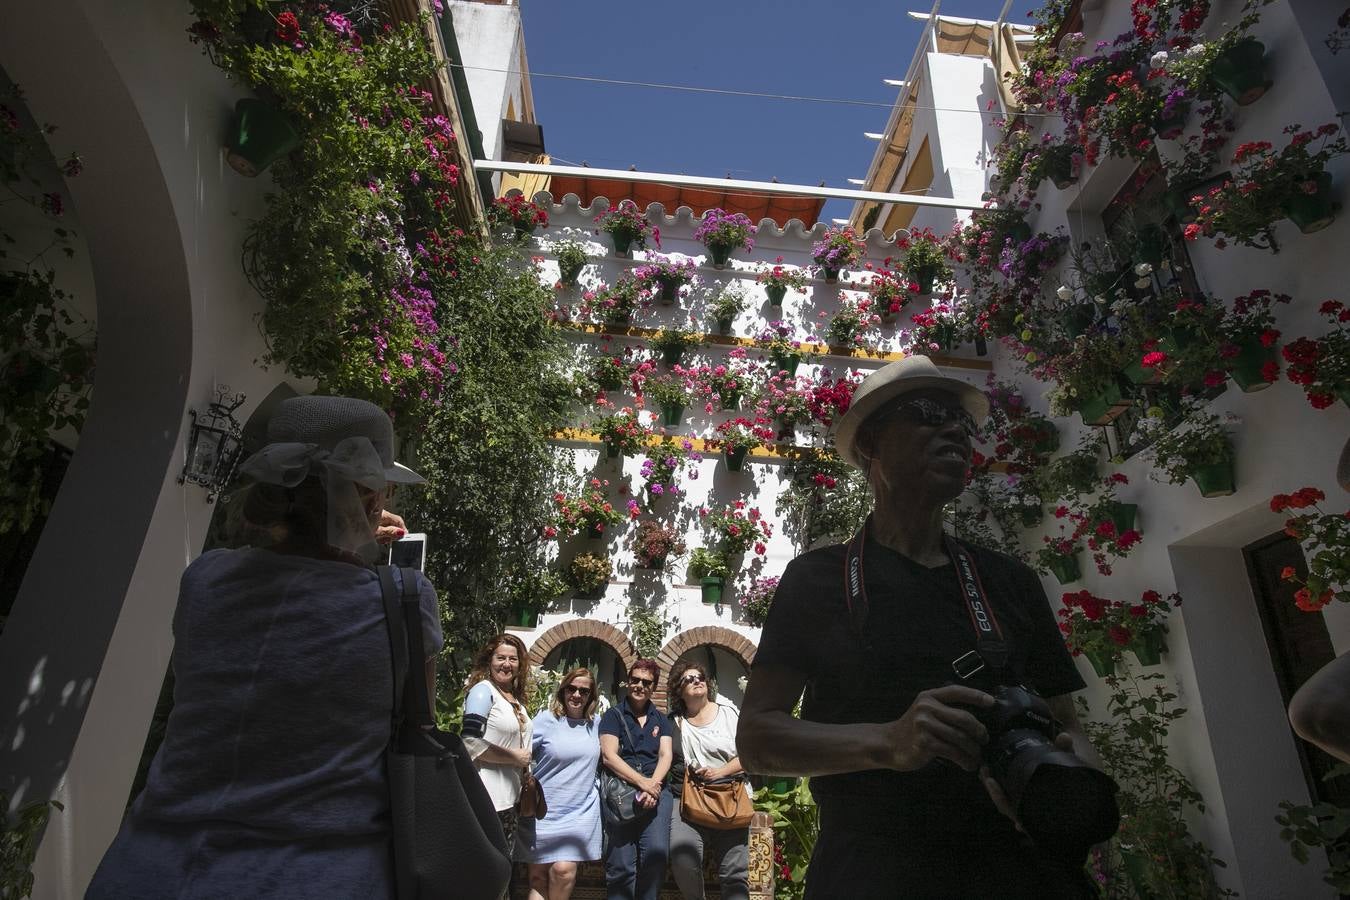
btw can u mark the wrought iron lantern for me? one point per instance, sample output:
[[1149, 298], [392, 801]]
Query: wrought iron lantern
[[214, 444]]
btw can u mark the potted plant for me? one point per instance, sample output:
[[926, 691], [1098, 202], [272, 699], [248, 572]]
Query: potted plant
[[729, 303], [622, 433], [610, 372], [1267, 185], [924, 260], [615, 305], [736, 528], [663, 463], [838, 249], [722, 232], [533, 593], [669, 393], [572, 259], [783, 350], [1199, 449], [519, 214], [784, 399], [671, 344], [1146, 624], [654, 544], [1093, 627], [589, 573], [1058, 162], [890, 292], [1321, 366], [260, 135], [711, 570], [1325, 538], [739, 436], [756, 600], [626, 226], [1238, 66], [941, 327], [588, 511], [778, 279], [667, 276], [725, 383], [1250, 342], [846, 328], [1069, 476], [1059, 557]]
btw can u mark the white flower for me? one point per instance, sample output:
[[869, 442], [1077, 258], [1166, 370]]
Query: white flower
[[1158, 60], [1100, 299], [1143, 270], [1195, 50], [1064, 292], [1142, 283]]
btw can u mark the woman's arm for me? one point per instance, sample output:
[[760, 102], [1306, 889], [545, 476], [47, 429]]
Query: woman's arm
[[609, 755], [477, 710], [663, 760]]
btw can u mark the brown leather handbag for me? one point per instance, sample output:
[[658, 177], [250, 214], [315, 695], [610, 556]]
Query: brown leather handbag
[[532, 803], [723, 804]]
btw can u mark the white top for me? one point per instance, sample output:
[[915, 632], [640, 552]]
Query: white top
[[504, 729], [711, 745]]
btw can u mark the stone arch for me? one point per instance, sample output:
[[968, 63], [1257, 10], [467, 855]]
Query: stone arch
[[732, 641], [554, 637]]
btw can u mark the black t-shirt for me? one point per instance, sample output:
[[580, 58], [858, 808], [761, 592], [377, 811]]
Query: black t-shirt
[[916, 626]]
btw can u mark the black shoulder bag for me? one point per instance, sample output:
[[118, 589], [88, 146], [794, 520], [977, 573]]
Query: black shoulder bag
[[448, 842], [620, 797]]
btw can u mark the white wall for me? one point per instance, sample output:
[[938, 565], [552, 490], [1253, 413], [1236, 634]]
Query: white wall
[[490, 38]]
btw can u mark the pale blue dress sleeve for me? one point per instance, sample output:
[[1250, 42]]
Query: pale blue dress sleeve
[[477, 708]]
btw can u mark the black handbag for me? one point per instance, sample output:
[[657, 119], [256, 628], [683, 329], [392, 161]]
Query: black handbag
[[619, 796], [448, 842]]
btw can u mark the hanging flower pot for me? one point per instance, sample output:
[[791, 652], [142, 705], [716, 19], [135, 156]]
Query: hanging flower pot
[[1065, 569], [1241, 71], [1311, 207], [1152, 245], [730, 400], [1078, 318], [623, 241], [923, 279], [1178, 203], [1031, 516], [981, 347], [720, 253], [668, 292], [567, 276], [1100, 409], [526, 617], [613, 451], [523, 231], [1215, 480], [831, 274], [671, 356], [712, 588], [656, 562], [785, 362], [1149, 647], [1122, 516], [1061, 171], [260, 136], [1103, 662], [1249, 366], [776, 294], [1020, 231], [1138, 373], [672, 414], [1047, 437], [781, 785], [595, 532], [1170, 125], [735, 458], [724, 325]]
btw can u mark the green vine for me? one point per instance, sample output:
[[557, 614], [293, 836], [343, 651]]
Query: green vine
[[18, 844], [648, 628]]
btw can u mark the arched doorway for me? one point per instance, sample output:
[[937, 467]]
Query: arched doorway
[[726, 653], [598, 646]]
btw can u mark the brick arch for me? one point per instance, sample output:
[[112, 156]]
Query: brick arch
[[733, 642], [582, 628]]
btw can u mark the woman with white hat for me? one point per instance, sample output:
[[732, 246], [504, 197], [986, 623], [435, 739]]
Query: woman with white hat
[[270, 781]]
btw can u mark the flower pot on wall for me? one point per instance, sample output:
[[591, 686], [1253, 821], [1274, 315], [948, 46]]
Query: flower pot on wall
[[923, 279], [776, 293], [1078, 319], [1122, 516], [785, 363], [656, 563], [668, 292], [724, 325], [568, 276], [1249, 366], [1242, 71], [720, 255], [613, 451], [1215, 480], [1102, 408], [1313, 209], [735, 458], [711, 586], [1103, 662], [729, 401], [525, 617], [260, 136], [671, 356], [672, 414], [1149, 647], [595, 532], [831, 274], [1031, 516], [1170, 126], [1065, 569], [623, 241], [1047, 438]]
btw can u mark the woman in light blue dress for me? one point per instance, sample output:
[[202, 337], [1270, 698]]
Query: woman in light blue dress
[[566, 749]]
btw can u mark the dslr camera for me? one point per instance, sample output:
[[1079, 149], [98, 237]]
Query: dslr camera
[[1059, 799]]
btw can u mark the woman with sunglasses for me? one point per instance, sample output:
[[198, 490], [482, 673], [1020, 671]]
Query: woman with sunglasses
[[566, 749], [635, 745], [707, 736]]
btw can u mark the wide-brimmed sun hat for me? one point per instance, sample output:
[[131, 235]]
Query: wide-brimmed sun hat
[[883, 386], [327, 421]]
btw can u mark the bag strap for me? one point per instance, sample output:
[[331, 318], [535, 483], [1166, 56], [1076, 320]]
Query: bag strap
[[398, 647], [416, 701]]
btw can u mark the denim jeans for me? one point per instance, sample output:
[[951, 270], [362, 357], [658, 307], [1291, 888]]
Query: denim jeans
[[636, 853]]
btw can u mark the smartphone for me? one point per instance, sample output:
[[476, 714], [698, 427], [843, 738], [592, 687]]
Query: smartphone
[[409, 551]]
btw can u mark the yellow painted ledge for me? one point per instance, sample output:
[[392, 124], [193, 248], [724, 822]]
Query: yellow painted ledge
[[638, 331]]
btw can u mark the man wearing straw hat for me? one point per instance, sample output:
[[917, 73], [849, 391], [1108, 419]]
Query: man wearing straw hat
[[878, 632]]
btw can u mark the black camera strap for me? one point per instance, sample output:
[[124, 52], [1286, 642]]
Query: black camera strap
[[991, 649]]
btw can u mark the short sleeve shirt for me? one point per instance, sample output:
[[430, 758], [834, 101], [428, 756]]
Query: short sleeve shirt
[[917, 626], [645, 747]]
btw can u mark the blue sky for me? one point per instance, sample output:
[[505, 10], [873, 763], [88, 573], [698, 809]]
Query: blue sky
[[840, 50]]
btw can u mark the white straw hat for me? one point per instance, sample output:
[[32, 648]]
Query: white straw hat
[[912, 373]]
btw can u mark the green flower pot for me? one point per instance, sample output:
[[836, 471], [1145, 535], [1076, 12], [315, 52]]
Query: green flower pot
[[671, 356], [1103, 662], [1061, 171], [776, 294], [1065, 569], [523, 231], [623, 240], [1247, 365], [1315, 211], [1170, 127], [672, 414], [1078, 318], [1241, 71], [594, 532], [1020, 232], [1123, 516], [613, 451], [786, 363], [781, 785], [1138, 373], [1031, 516], [712, 588], [924, 278], [735, 458], [261, 135], [729, 401], [656, 563], [1047, 438], [1098, 410], [831, 274], [1149, 647], [668, 292], [568, 276], [1178, 202], [1215, 480], [720, 254], [724, 325], [526, 617]]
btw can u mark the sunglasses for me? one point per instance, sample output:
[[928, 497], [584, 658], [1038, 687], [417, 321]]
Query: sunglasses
[[645, 682], [693, 678], [573, 689], [922, 411]]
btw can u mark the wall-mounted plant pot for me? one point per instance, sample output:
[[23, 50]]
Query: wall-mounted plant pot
[[1242, 71], [1138, 373], [619, 320], [711, 586], [671, 356], [1123, 516], [623, 242], [1170, 127], [672, 414], [776, 293], [568, 277], [1065, 569], [1102, 661], [1019, 231], [787, 363], [1103, 408], [724, 325], [1077, 319], [595, 532], [524, 617], [1215, 480], [923, 280], [720, 255], [613, 451], [831, 275], [1248, 370], [656, 563], [668, 292], [261, 134], [1149, 647], [1178, 203], [1312, 211], [1031, 516], [729, 401], [1047, 438], [735, 458]]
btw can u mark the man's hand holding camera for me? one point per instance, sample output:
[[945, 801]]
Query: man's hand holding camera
[[939, 725]]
